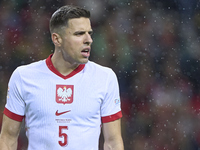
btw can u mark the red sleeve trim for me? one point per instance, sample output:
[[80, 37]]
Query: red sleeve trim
[[12, 115], [111, 117]]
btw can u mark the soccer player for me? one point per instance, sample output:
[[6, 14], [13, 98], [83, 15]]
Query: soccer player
[[65, 99]]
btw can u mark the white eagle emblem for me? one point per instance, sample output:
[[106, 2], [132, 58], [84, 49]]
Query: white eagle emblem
[[64, 94]]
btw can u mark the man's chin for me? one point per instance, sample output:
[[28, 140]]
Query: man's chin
[[84, 61]]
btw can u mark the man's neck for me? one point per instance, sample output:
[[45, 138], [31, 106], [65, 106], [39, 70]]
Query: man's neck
[[61, 65]]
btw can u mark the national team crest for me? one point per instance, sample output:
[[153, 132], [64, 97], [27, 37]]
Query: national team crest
[[64, 94]]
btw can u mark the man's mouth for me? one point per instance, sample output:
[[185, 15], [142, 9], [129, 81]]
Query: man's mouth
[[85, 53]]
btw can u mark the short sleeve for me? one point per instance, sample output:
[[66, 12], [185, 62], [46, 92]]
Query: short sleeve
[[15, 105], [111, 106]]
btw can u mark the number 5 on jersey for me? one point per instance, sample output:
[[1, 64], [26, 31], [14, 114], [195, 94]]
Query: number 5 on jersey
[[63, 135]]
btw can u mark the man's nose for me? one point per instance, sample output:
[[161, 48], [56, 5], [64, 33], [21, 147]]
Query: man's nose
[[88, 39]]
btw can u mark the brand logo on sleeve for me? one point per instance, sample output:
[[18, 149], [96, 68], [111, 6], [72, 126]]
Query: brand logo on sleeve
[[8, 93], [64, 94], [117, 101]]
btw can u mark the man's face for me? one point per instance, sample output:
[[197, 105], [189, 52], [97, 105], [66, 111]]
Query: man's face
[[76, 41]]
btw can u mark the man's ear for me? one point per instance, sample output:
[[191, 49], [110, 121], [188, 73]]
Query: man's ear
[[56, 38]]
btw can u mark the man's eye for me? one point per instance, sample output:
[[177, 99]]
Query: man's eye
[[90, 33], [79, 33]]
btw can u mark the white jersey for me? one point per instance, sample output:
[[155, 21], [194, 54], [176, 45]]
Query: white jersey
[[63, 112]]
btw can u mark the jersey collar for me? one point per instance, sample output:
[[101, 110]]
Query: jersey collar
[[53, 69]]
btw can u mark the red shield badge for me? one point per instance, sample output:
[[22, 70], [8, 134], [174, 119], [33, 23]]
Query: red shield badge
[[64, 94]]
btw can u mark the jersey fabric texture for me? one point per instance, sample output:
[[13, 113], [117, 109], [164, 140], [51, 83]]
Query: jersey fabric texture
[[63, 112]]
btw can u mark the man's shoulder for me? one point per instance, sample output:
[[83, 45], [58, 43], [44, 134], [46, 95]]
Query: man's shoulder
[[32, 67], [98, 67], [98, 70]]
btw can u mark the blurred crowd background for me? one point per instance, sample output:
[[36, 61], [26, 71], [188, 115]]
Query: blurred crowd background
[[153, 47]]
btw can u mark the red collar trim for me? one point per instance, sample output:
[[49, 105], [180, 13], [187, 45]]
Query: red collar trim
[[53, 69]]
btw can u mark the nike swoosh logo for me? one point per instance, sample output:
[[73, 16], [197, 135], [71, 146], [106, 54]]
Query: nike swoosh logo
[[60, 113]]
